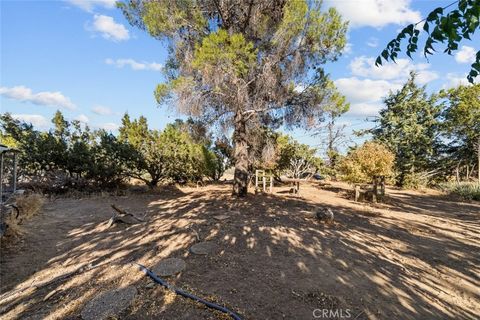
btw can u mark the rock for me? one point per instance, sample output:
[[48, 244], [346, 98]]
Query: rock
[[325, 215], [109, 304], [169, 267], [203, 248], [150, 285], [221, 217]]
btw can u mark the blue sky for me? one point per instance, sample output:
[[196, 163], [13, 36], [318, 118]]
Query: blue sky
[[83, 58]]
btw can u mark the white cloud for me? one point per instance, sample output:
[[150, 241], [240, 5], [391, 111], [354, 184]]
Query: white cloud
[[372, 42], [455, 80], [399, 71], [102, 110], [364, 109], [376, 13], [466, 55], [370, 84], [46, 98], [35, 119], [425, 76], [135, 65], [109, 126], [347, 49], [108, 28], [88, 5], [365, 90], [82, 118]]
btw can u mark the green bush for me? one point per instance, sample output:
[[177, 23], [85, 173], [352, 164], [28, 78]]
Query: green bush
[[467, 190], [70, 156], [180, 153]]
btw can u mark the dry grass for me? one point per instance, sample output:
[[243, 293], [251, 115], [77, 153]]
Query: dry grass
[[28, 206], [13, 227]]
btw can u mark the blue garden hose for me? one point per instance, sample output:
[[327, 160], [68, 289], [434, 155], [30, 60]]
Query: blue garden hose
[[162, 282]]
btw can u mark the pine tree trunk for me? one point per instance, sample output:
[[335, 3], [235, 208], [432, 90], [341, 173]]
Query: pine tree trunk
[[240, 180]]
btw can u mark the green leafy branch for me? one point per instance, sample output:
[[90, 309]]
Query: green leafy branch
[[451, 28]]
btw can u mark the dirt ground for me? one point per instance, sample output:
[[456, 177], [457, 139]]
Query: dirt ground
[[415, 257]]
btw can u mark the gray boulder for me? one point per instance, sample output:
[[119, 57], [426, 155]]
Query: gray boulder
[[325, 215]]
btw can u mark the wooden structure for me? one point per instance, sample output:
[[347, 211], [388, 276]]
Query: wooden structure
[[294, 182], [263, 180], [376, 193]]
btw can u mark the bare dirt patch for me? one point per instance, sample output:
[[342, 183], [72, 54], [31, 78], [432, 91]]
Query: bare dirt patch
[[416, 257]]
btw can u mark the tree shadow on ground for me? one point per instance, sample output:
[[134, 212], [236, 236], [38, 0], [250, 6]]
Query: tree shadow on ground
[[274, 260]]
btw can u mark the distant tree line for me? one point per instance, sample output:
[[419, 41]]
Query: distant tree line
[[71, 155], [433, 138], [419, 139]]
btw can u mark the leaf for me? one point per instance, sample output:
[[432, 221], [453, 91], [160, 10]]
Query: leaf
[[426, 27], [437, 34], [428, 46], [433, 15], [385, 54], [476, 66], [409, 29], [453, 46], [438, 11], [378, 62]]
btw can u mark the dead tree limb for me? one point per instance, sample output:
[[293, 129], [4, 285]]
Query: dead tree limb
[[122, 216]]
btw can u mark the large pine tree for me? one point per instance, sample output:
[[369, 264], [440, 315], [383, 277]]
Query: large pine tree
[[462, 124], [408, 126], [244, 64]]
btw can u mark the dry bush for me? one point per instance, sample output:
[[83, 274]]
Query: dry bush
[[13, 225], [363, 164], [29, 205]]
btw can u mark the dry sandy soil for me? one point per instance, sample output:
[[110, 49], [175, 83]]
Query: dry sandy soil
[[415, 257]]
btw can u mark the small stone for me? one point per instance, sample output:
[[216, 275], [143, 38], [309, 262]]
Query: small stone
[[221, 217], [203, 248], [109, 304], [150, 285], [169, 267]]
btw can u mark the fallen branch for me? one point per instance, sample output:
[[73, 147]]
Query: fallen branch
[[122, 216], [194, 232]]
